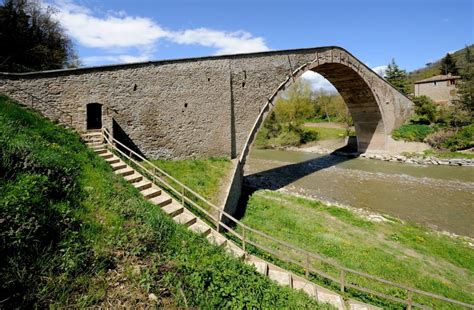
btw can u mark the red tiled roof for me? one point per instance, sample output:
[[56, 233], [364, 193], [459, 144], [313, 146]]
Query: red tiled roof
[[439, 78]]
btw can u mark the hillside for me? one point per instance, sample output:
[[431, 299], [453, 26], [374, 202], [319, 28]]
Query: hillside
[[434, 68], [73, 235]]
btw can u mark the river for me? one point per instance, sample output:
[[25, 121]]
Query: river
[[440, 197]]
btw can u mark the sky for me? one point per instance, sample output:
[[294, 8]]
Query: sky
[[413, 32]]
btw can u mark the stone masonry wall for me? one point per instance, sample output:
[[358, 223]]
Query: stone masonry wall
[[191, 107]]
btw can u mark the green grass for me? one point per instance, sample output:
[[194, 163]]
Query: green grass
[[75, 235], [205, 176], [396, 251], [329, 133], [412, 132]]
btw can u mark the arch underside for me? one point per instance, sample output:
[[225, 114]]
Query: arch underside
[[361, 103]]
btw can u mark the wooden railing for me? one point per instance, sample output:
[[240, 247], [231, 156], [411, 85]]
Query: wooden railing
[[303, 259]]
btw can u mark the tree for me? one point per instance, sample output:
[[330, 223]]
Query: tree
[[425, 110], [397, 77], [31, 39], [448, 65], [466, 87]]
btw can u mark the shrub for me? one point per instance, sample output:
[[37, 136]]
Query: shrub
[[463, 139], [438, 138], [412, 132]]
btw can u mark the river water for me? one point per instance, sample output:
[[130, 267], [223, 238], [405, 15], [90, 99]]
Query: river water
[[440, 197]]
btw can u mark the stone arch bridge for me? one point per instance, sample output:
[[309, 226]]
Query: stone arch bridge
[[207, 106]]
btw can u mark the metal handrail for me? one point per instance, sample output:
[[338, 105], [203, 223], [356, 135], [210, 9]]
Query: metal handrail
[[43, 104], [111, 141]]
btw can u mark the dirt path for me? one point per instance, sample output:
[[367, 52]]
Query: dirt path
[[327, 125]]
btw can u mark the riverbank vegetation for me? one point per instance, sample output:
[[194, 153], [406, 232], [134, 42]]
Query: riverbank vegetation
[[74, 234], [285, 125], [391, 249], [445, 127]]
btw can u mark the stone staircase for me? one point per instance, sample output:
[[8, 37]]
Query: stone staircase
[[181, 215]]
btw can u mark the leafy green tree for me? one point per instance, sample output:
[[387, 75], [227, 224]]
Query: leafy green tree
[[31, 39], [425, 110], [397, 77], [466, 87], [296, 104], [272, 126], [448, 65]]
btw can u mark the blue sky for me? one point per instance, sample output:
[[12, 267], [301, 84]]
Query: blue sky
[[413, 32]]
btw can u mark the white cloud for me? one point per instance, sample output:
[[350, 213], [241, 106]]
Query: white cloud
[[108, 32], [116, 32], [318, 81], [95, 60], [380, 70], [225, 42]]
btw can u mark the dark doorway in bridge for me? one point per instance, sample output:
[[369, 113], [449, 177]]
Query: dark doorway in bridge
[[94, 116]]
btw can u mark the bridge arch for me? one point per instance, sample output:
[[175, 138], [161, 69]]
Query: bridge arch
[[354, 87]]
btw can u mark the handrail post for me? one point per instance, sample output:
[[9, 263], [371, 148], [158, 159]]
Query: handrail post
[[219, 216], [409, 299], [243, 240], [182, 195], [307, 266], [343, 280]]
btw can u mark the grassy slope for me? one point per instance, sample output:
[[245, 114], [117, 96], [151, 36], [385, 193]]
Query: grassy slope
[[205, 176], [393, 250], [110, 247]]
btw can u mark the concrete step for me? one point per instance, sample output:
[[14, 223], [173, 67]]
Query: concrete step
[[151, 192], [305, 285], [161, 200], [112, 160], [92, 143], [125, 171], [215, 238], [101, 150], [142, 185], [136, 177], [200, 228], [357, 305], [262, 267], [186, 218], [234, 250], [92, 134], [106, 155], [173, 209], [98, 146], [282, 277], [326, 296], [119, 165]]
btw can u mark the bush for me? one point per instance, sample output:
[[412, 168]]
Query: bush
[[438, 139], [463, 139], [412, 132]]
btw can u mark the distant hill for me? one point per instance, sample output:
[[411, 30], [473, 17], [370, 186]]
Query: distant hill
[[434, 68]]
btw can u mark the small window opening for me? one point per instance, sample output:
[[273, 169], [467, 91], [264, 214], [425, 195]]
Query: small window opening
[[135, 87], [185, 105], [243, 84], [208, 79]]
